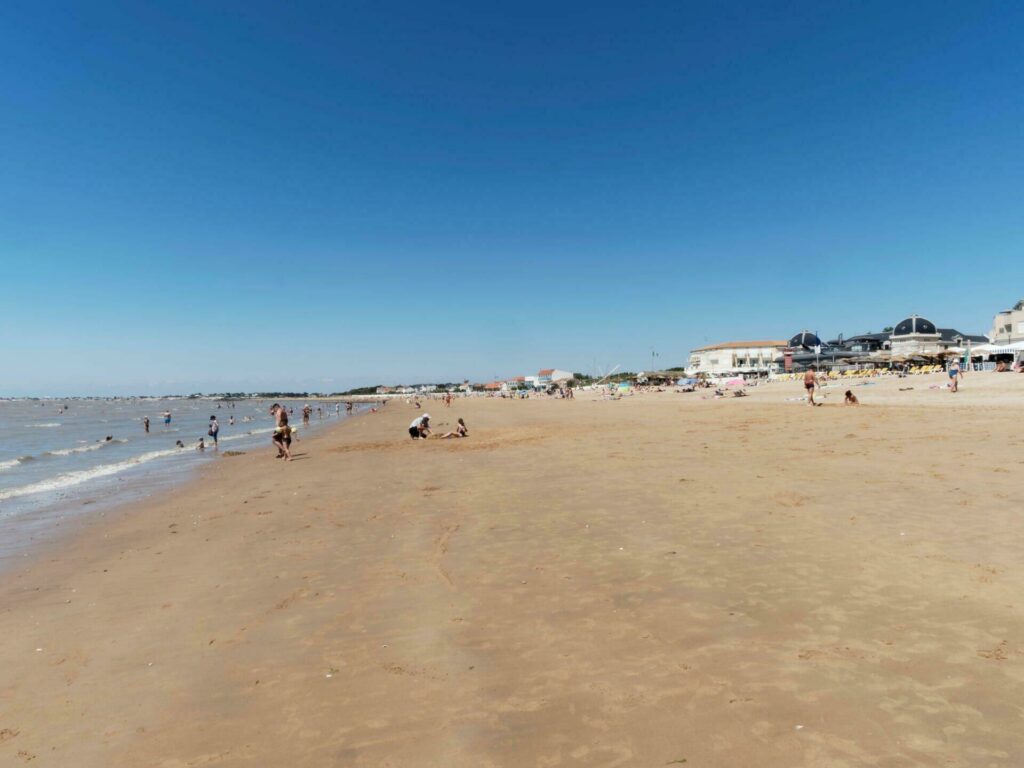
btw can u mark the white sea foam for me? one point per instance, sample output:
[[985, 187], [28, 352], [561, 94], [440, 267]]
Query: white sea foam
[[9, 464], [69, 479], [82, 448], [244, 435], [40, 426]]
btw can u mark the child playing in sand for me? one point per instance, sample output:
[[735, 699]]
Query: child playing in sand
[[459, 431], [851, 399]]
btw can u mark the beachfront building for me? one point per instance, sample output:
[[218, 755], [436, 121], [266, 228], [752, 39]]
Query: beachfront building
[[864, 343], [1008, 325], [552, 376], [658, 377], [546, 377], [918, 336], [736, 358], [915, 336]]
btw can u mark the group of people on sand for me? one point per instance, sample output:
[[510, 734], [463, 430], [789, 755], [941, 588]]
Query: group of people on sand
[[420, 429], [811, 382]]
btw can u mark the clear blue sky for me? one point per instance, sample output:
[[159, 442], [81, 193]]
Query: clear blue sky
[[209, 196]]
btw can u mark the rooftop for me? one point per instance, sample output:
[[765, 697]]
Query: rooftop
[[950, 334], [741, 345]]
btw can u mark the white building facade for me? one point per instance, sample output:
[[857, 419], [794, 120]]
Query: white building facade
[[547, 376], [736, 358], [1008, 325]]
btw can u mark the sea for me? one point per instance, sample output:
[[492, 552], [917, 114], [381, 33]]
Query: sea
[[66, 457]]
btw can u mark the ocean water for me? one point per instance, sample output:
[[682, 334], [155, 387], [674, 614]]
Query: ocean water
[[56, 460]]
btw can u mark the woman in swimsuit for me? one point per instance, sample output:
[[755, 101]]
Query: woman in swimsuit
[[459, 431]]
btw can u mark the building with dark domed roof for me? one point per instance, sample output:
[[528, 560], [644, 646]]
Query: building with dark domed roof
[[915, 326], [919, 336]]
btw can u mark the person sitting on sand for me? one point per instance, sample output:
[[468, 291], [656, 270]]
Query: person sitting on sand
[[851, 399], [420, 427], [460, 431]]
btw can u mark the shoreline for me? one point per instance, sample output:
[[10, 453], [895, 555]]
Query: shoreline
[[37, 528], [580, 582]]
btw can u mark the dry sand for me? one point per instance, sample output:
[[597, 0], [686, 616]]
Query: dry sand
[[661, 580]]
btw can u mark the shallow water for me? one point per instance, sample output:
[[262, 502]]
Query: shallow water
[[56, 460]]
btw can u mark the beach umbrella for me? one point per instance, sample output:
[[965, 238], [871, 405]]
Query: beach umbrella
[[735, 382]]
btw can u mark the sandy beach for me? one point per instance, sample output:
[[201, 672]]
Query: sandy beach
[[660, 580]]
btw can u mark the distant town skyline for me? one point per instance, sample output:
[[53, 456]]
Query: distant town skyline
[[314, 198]]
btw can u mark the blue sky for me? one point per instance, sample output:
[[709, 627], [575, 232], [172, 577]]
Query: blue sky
[[210, 196]]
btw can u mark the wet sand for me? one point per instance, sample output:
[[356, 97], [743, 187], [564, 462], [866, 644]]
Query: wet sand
[[660, 580]]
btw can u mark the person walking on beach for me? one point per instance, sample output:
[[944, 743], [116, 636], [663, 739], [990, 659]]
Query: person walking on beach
[[214, 430], [282, 438], [306, 411], [167, 418], [145, 424], [810, 382], [955, 374]]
